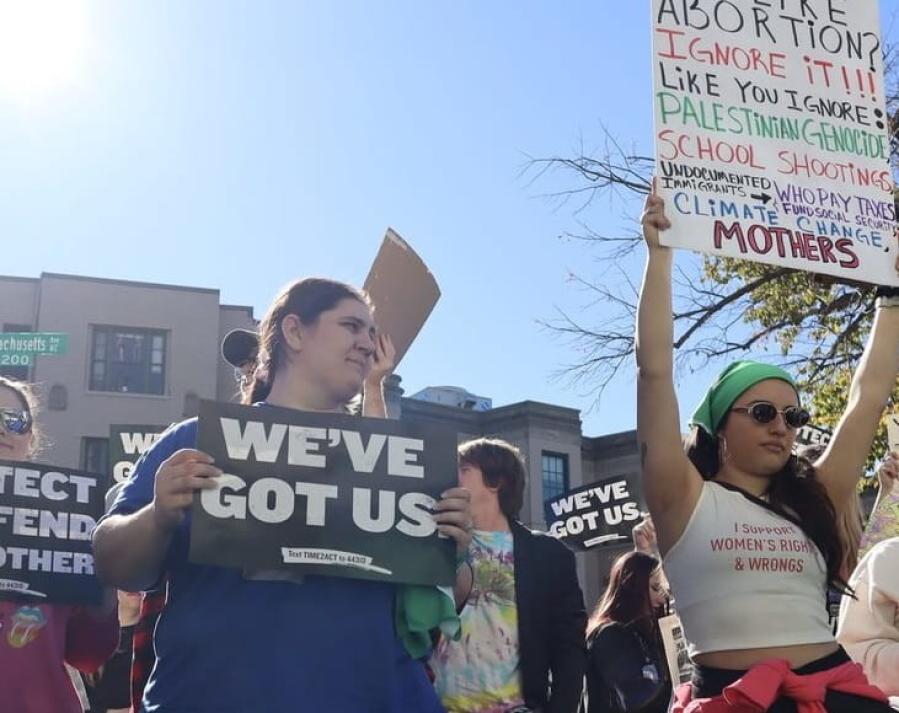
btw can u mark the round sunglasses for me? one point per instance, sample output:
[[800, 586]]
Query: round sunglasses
[[14, 421], [766, 412]]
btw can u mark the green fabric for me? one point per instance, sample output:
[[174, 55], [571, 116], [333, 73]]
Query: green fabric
[[419, 610], [730, 384]]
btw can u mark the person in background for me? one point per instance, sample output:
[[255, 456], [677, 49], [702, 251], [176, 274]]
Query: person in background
[[522, 643], [626, 668], [109, 689], [869, 622], [37, 640]]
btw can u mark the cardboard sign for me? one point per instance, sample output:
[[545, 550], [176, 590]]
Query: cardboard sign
[[127, 443], [46, 518], [402, 290], [328, 494], [680, 667], [596, 514], [771, 134]]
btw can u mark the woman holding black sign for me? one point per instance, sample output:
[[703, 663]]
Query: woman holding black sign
[[38, 640], [749, 539], [228, 642], [626, 669]]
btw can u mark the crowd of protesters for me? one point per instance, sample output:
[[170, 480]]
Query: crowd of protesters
[[173, 635]]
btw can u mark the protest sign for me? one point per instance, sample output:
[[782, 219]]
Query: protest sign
[[20, 348], [595, 514], [771, 134], [810, 435], [884, 521], [46, 518], [402, 290], [680, 668], [127, 443], [330, 494]]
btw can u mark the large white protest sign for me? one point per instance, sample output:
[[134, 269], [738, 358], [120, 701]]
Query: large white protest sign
[[771, 136]]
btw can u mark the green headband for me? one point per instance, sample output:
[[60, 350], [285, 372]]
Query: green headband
[[730, 384]]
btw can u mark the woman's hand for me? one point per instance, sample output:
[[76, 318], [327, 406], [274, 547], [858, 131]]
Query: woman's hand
[[182, 473], [654, 219], [384, 361], [453, 517], [644, 534]]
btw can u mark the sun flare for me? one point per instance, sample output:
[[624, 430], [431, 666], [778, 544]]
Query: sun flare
[[42, 45]]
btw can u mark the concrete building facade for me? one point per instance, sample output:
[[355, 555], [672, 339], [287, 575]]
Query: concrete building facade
[[142, 353], [138, 353]]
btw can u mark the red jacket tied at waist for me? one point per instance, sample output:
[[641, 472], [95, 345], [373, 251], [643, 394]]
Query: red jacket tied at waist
[[767, 681]]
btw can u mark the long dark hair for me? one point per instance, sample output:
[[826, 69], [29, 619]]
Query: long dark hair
[[307, 299], [794, 493], [626, 599]]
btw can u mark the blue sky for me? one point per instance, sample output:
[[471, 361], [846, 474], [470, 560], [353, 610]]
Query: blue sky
[[239, 145]]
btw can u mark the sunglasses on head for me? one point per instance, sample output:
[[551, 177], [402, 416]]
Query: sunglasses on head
[[17, 422], [766, 412]]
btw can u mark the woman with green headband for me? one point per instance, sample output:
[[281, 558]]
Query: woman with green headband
[[748, 531]]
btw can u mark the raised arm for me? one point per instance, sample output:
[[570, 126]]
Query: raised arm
[[374, 404], [875, 378], [672, 485]]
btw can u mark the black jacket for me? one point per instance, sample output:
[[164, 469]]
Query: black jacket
[[618, 656], [551, 621]]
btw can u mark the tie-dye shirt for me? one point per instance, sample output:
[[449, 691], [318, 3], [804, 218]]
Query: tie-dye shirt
[[479, 672]]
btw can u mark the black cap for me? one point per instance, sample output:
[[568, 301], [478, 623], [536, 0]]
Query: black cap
[[240, 346]]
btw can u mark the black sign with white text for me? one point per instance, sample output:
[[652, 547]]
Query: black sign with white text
[[46, 518], [126, 445], [328, 494], [601, 513]]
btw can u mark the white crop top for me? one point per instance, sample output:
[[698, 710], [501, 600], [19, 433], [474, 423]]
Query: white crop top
[[744, 577]]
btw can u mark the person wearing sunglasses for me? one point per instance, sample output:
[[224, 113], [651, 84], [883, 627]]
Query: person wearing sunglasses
[[37, 640], [748, 531]]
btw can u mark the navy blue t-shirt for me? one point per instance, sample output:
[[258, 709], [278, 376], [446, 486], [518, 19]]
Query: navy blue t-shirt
[[226, 644]]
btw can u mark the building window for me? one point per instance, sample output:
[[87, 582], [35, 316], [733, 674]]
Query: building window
[[127, 360], [555, 475], [95, 455], [16, 372]]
